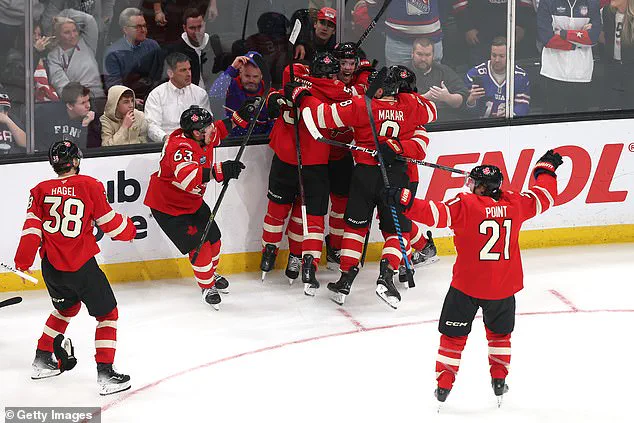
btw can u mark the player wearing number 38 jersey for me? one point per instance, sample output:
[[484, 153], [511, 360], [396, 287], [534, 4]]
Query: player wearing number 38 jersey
[[488, 269], [59, 222]]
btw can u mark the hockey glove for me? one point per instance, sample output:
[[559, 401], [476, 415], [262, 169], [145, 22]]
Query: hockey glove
[[389, 150], [548, 163], [64, 352], [226, 170], [294, 92], [242, 116], [401, 198], [274, 103]]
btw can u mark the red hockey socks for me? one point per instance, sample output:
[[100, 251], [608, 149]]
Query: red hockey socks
[[314, 240], [499, 354], [273, 227], [392, 249], [295, 230], [448, 360], [106, 337], [56, 324], [205, 265], [352, 247], [417, 239], [337, 210]]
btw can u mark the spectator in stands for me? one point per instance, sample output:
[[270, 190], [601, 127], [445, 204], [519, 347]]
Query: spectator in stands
[[618, 26], [101, 10], [41, 44], [320, 38], [12, 136], [567, 61], [271, 41], [73, 59], [240, 82], [121, 123], [406, 20], [194, 43], [482, 20], [166, 103], [134, 60], [438, 82], [487, 96], [12, 23], [69, 119], [168, 16]]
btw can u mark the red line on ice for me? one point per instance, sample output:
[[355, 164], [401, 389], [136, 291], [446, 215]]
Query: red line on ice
[[564, 300], [354, 321]]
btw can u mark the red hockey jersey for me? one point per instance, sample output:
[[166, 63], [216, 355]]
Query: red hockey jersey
[[178, 188], [394, 119], [324, 91], [486, 232], [60, 219]]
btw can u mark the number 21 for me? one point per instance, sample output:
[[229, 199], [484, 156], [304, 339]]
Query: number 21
[[494, 225]]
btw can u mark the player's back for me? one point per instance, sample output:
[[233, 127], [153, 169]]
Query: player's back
[[486, 232], [68, 208]]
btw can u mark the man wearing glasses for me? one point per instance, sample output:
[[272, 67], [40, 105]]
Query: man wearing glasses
[[134, 59]]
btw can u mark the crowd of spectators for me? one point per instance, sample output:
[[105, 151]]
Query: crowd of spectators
[[118, 72]]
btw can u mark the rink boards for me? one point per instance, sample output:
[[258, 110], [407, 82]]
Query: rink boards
[[594, 202]]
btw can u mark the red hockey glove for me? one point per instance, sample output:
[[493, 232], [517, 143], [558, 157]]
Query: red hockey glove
[[401, 198], [390, 149], [294, 91], [548, 163]]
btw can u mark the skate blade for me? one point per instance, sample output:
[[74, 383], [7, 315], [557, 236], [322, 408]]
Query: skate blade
[[264, 276], [291, 281], [44, 373], [223, 291], [391, 301], [309, 290], [499, 400], [429, 261], [338, 298], [215, 306], [113, 389]]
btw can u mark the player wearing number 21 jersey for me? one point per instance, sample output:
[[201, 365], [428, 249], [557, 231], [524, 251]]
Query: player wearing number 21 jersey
[[59, 222], [488, 269]]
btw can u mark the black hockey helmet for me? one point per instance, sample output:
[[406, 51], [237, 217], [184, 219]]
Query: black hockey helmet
[[391, 83], [346, 51], [61, 155], [324, 65], [195, 118], [489, 176], [406, 79]]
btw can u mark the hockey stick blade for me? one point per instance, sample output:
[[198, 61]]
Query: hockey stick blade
[[10, 301], [19, 273], [297, 27]]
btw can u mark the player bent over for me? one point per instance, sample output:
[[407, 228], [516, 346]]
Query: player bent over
[[59, 221], [488, 269], [175, 193]]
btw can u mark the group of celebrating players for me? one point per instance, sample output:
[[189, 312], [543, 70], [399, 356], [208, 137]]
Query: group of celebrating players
[[329, 96]]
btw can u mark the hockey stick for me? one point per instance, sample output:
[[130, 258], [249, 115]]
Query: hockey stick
[[376, 84], [19, 273], [10, 301], [374, 153], [257, 106], [302, 195], [373, 23]]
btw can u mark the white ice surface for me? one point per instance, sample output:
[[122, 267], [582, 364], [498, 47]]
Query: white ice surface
[[272, 354]]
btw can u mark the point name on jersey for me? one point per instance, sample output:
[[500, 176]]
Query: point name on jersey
[[63, 191], [496, 211]]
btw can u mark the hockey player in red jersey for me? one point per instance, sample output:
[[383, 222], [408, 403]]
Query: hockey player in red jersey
[[283, 188], [59, 222], [394, 114], [488, 269], [176, 190]]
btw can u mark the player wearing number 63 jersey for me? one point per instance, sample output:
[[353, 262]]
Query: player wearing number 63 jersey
[[60, 218], [175, 194], [488, 270]]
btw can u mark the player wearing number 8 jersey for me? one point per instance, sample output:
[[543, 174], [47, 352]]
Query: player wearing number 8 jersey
[[488, 269], [59, 221]]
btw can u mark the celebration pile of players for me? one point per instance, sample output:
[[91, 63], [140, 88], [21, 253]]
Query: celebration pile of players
[[329, 95]]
